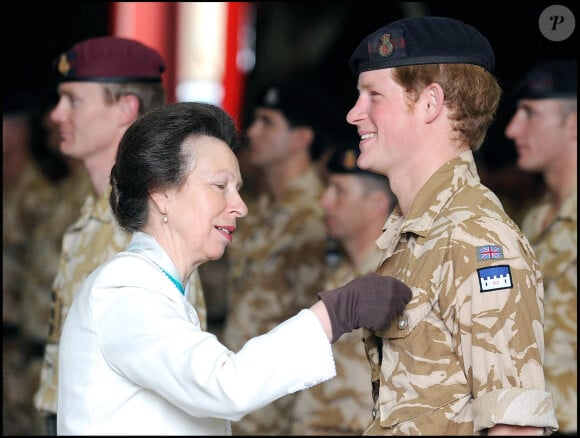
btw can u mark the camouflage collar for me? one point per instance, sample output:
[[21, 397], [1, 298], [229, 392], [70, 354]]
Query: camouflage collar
[[436, 192]]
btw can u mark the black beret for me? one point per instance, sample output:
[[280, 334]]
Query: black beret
[[549, 80], [301, 103], [422, 40], [110, 59]]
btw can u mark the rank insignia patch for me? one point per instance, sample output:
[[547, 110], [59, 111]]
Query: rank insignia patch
[[489, 252], [495, 278]]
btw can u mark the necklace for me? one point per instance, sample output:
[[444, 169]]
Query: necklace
[[177, 284]]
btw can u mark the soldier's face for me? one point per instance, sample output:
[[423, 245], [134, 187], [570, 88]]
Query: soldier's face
[[387, 129], [270, 138], [344, 195], [88, 126], [542, 135]]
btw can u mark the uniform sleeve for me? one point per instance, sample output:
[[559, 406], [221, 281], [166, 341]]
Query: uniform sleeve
[[556, 251], [499, 325]]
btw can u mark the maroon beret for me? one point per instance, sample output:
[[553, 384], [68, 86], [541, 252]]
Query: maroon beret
[[110, 59]]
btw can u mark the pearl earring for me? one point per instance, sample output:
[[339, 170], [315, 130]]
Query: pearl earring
[[164, 218]]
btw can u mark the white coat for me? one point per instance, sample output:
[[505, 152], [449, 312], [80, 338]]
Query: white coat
[[134, 360]]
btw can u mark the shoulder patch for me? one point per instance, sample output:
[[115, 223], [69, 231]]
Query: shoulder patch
[[494, 278], [489, 252]]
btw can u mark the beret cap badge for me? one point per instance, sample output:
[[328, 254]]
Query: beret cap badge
[[271, 97], [386, 47], [349, 159], [63, 65]]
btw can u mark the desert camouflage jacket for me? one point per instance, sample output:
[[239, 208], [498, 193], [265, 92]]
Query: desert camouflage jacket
[[468, 351], [342, 405], [277, 265], [557, 252]]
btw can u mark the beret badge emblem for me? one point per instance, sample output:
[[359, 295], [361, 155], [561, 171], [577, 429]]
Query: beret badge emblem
[[63, 65], [386, 47], [349, 160]]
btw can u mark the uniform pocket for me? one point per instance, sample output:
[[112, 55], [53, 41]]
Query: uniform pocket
[[421, 374], [415, 311]]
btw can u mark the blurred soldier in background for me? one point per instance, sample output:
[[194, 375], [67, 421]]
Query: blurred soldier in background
[[276, 262], [104, 84], [356, 203], [42, 193], [545, 131]]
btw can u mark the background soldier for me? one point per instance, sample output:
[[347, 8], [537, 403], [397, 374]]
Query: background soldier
[[356, 203], [276, 262], [545, 131], [105, 84], [42, 193]]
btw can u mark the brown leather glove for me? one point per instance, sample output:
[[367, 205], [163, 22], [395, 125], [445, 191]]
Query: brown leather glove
[[370, 301]]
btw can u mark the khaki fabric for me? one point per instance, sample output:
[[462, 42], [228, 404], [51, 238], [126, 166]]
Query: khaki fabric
[[35, 213], [468, 351], [342, 405], [44, 251], [276, 268], [557, 252], [25, 206]]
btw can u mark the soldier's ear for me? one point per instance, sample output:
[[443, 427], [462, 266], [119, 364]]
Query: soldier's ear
[[431, 101], [303, 137], [129, 108]]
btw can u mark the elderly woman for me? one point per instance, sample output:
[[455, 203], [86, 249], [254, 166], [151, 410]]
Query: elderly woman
[[133, 358]]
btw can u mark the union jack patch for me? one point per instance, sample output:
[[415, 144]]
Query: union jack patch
[[489, 252]]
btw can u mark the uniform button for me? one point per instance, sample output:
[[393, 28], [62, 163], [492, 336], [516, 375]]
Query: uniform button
[[403, 322]]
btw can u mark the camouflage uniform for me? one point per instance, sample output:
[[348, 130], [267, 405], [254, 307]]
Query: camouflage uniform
[[25, 206], [276, 268], [343, 405], [88, 243], [556, 249], [42, 265], [468, 351], [44, 251]]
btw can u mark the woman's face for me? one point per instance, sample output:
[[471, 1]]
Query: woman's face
[[202, 213]]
